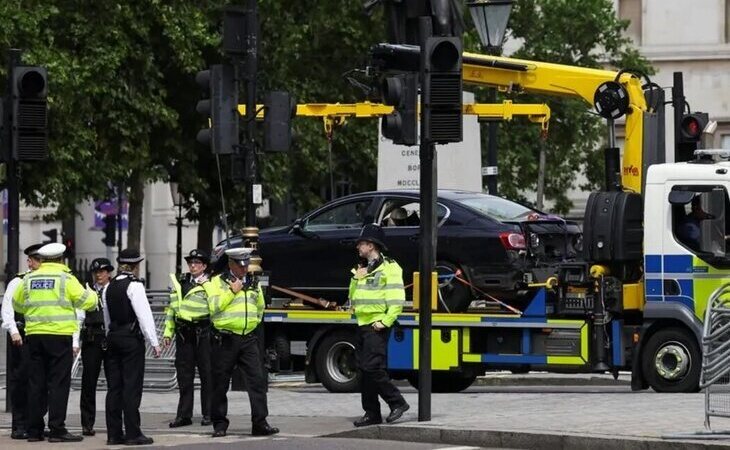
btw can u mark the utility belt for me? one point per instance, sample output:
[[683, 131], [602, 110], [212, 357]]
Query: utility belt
[[192, 330], [131, 327], [20, 324], [226, 335]]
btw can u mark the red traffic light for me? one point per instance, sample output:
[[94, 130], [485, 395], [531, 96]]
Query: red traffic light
[[692, 126]]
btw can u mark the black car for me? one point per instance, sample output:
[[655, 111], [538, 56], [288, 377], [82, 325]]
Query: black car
[[487, 245]]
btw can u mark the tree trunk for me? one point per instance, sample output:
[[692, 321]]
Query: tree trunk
[[136, 206], [206, 224]]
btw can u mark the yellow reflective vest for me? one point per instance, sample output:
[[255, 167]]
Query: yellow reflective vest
[[49, 297], [191, 307], [379, 295], [238, 313]]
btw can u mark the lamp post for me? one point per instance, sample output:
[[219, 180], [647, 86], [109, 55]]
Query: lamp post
[[177, 201], [490, 18]]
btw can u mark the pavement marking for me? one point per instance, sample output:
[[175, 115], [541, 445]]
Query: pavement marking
[[457, 448]]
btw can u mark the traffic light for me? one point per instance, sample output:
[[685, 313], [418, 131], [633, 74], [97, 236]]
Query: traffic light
[[110, 230], [689, 137], [441, 90], [401, 92], [52, 236], [220, 108], [29, 113], [279, 108]]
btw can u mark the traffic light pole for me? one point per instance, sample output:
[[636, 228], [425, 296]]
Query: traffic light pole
[[427, 249], [11, 268], [249, 146]]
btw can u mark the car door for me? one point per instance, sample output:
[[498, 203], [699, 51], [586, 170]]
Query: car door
[[322, 251], [400, 218]]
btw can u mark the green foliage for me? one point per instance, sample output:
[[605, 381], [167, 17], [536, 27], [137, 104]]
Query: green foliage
[[575, 136]]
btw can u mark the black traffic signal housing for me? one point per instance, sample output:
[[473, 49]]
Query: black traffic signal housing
[[110, 230], [29, 113], [220, 108], [279, 109], [441, 89], [689, 137], [401, 92], [51, 235]]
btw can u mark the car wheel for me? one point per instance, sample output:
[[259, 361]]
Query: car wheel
[[453, 295], [671, 361], [336, 364], [445, 382]]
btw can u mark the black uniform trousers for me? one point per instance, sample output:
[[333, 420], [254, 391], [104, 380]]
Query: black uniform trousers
[[92, 356], [18, 383], [124, 369], [192, 349], [49, 382], [371, 350], [232, 350]]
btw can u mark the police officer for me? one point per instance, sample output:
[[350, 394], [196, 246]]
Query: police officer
[[128, 320], [236, 310], [48, 298], [93, 344], [14, 323], [377, 295], [188, 318]]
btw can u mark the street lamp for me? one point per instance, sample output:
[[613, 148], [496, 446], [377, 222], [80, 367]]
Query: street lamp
[[490, 18], [177, 200]]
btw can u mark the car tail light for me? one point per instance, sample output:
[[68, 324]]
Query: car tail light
[[512, 241]]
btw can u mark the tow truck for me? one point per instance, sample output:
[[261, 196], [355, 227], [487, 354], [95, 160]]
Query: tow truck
[[636, 299]]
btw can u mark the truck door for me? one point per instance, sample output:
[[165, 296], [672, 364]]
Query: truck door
[[695, 260]]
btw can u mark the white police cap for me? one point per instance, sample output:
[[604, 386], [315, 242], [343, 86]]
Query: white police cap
[[241, 254], [52, 251]]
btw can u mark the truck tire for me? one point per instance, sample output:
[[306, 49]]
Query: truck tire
[[671, 361], [453, 296], [335, 362], [445, 382]]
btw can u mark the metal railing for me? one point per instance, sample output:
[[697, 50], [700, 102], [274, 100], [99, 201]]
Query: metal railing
[[159, 373], [715, 376]]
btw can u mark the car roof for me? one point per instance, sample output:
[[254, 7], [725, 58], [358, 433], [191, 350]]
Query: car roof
[[449, 194]]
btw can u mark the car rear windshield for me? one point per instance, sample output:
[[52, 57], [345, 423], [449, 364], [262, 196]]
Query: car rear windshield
[[497, 208]]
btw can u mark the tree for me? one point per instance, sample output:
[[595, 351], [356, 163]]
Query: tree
[[111, 102], [576, 136]]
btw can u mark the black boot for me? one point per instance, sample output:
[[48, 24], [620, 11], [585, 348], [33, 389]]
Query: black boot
[[368, 419]]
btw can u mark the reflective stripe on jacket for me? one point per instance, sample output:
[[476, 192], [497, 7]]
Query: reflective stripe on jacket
[[238, 313], [193, 306], [379, 295], [48, 298]]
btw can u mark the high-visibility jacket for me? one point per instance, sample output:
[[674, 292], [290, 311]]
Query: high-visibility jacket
[[379, 295], [238, 313], [191, 307], [49, 296]]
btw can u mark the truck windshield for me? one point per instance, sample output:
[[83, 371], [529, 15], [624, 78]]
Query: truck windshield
[[497, 208]]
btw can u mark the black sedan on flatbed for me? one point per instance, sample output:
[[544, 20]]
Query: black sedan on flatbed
[[494, 245]]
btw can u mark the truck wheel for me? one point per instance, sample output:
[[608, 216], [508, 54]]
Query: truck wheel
[[453, 296], [445, 382], [336, 364], [671, 361]]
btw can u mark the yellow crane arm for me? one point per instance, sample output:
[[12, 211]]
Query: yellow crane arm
[[336, 113], [518, 75]]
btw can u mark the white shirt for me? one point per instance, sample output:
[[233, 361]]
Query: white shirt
[[81, 314], [141, 306], [8, 313]]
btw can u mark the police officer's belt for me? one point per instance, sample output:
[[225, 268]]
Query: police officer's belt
[[132, 326], [200, 323]]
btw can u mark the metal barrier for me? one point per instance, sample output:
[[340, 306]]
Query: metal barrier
[[159, 373], [715, 377], [715, 373]]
